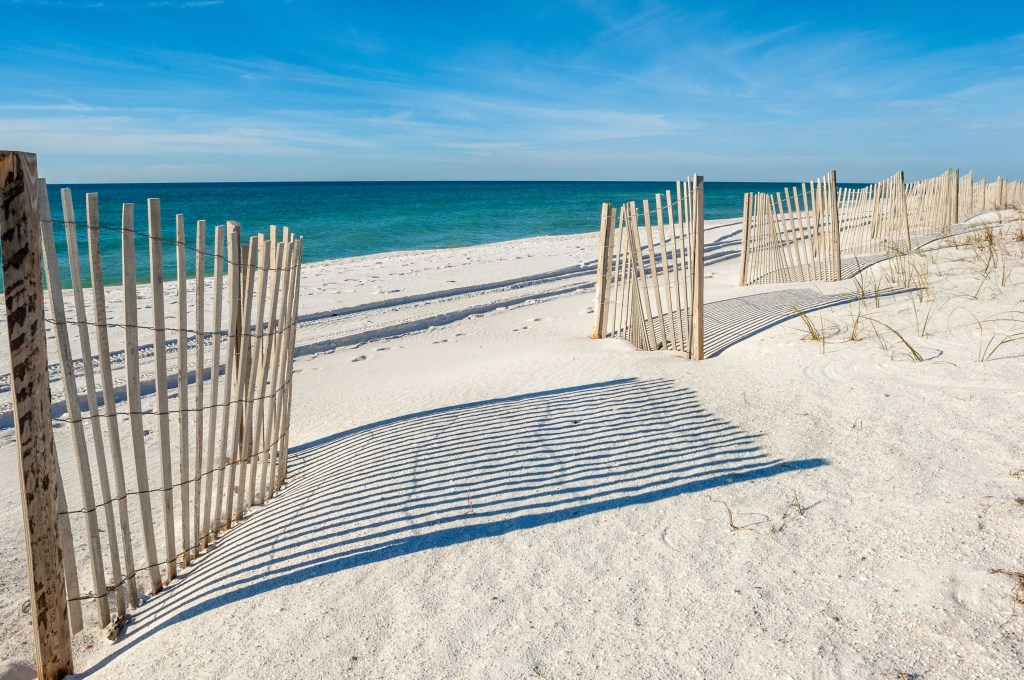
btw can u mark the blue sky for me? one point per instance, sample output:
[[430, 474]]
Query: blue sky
[[589, 89]]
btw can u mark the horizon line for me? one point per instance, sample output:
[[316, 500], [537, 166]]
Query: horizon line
[[53, 183]]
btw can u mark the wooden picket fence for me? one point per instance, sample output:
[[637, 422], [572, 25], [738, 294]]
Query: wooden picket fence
[[229, 395], [792, 236], [873, 219], [979, 195], [933, 204], [650, 278], [802, 234]]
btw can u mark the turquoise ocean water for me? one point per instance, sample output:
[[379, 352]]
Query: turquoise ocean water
[[343, 219]]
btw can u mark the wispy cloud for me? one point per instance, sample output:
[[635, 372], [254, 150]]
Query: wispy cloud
[[193, 3], [602, 86]]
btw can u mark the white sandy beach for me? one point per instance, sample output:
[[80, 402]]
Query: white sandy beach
[[479, 490]]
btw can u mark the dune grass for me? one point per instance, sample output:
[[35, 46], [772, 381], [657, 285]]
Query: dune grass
[[971, 269]]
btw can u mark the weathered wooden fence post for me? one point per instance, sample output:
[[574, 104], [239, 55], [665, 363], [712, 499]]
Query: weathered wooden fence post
[[954, 208], [698, 267], [837, 256], [604, 270], [745, 238], [37, 456], [904, 208]]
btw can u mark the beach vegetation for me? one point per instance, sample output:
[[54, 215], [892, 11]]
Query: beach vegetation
[[990, 342], [890, 347], [795, 508], [855, 325], [817, 331]]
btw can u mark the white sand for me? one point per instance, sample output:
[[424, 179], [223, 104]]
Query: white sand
[[480, 490]]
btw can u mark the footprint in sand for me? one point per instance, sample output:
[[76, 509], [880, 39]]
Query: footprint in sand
[[359, 358]]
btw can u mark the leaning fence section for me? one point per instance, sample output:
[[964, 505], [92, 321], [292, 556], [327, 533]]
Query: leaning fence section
[[932, 204], [174, 420], [650, 288], [873, 219], [200, 433], [792, 235]]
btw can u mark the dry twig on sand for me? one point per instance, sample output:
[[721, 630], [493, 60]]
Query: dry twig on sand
[[903, 675], [795, 508], [1018, 588]]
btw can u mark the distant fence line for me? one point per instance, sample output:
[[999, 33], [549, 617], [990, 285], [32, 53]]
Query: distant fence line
[[803, 234], [650, 279], [229, 449]]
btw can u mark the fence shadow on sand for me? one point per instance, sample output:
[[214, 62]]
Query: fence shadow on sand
[[728, 322], [456, 474]]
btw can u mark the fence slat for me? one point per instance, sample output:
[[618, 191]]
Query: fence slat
[[293, 317], [64, 522], [745, 238], [652, 262], [833, 200], [641, 276], [669, 307], [53, 284], [156, 279], [223, 460], [268, 384], [200, 400], [276, 400], [134, 390], [67, 547], [606, 241], [215, 369], [184, 477], [698, 269], [676, 249], [99, 301], [259, 370], [263, 344]]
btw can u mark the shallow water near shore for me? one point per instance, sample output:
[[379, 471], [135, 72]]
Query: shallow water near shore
[[345, 219]]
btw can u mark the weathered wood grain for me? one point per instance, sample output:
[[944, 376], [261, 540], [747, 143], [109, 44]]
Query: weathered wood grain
[[37, 459]]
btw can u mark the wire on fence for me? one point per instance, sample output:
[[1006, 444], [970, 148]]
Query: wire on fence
[[176, 485], [246, 418], [170, 241]]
